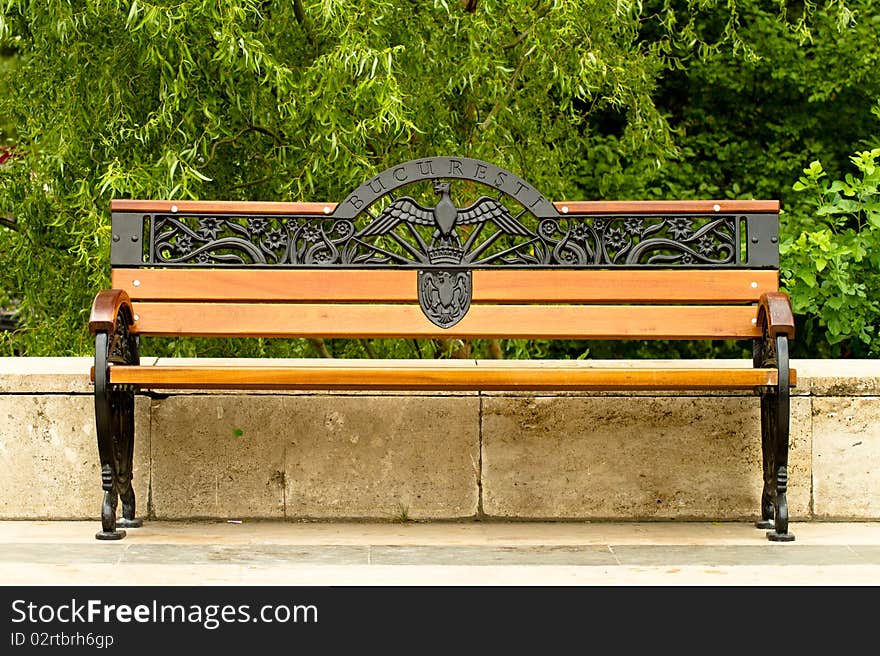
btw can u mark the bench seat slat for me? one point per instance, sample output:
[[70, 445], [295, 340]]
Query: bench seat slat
[[481, 321], [467, 376], [489, 286]]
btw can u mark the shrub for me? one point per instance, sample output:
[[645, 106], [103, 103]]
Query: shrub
[[831, 260]]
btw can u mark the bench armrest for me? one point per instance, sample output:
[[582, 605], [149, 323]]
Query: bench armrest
[[774, 311], [105, 310]]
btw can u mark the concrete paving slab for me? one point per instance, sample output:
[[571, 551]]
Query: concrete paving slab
[[437, 532], [487, 555], [440, 553]]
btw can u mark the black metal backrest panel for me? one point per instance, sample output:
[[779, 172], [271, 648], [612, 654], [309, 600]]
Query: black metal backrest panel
[[458, 213]]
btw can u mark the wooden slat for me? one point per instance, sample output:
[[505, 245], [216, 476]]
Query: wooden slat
[[268, 284], [427, 377], [570, 207], [378, 320], [490, 286], [667, 206], [673, 286], [236, 207]]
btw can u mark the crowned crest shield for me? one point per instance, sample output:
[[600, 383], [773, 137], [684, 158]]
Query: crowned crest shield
[[445, 295]]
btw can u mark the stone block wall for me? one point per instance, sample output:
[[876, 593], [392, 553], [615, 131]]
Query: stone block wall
[[450, 456]]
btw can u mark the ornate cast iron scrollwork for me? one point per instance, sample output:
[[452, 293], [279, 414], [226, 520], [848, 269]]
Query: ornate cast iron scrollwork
[[114, 413], [483, 234], [514, 226], [772, 351]]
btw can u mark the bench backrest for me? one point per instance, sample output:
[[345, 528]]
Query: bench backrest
[[504, 264]]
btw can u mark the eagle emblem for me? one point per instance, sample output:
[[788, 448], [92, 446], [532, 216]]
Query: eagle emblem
[[445, 246], [444, 294]]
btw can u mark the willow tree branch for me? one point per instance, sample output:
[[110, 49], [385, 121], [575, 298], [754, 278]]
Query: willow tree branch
[[457, 348], [506, 99], [495, 350], [252, 183], [543, 11], [371, 352], [235, 137], [321, 347], [299, 13]]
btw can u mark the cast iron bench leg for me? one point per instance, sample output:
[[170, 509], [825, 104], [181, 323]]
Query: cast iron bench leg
[[125, 462], [780, 399], [775, 407], [768, 493], [114, 415]]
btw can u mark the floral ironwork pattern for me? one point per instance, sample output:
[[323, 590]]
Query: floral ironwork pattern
[[123, 346], [403, 231], [641, 240], [564, 242]]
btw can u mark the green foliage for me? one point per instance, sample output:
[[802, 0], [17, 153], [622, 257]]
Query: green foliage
[[303, 100], [746, 120], [279, 101], [832, 258]]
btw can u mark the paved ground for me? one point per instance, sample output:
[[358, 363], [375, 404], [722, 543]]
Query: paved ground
[[487, 553]]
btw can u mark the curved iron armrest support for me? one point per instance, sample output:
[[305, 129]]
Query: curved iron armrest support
[[106, 308], [111, 322], [776, 320], [775, 315]]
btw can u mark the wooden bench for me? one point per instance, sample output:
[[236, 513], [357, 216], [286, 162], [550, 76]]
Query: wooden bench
[[502, 263]]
